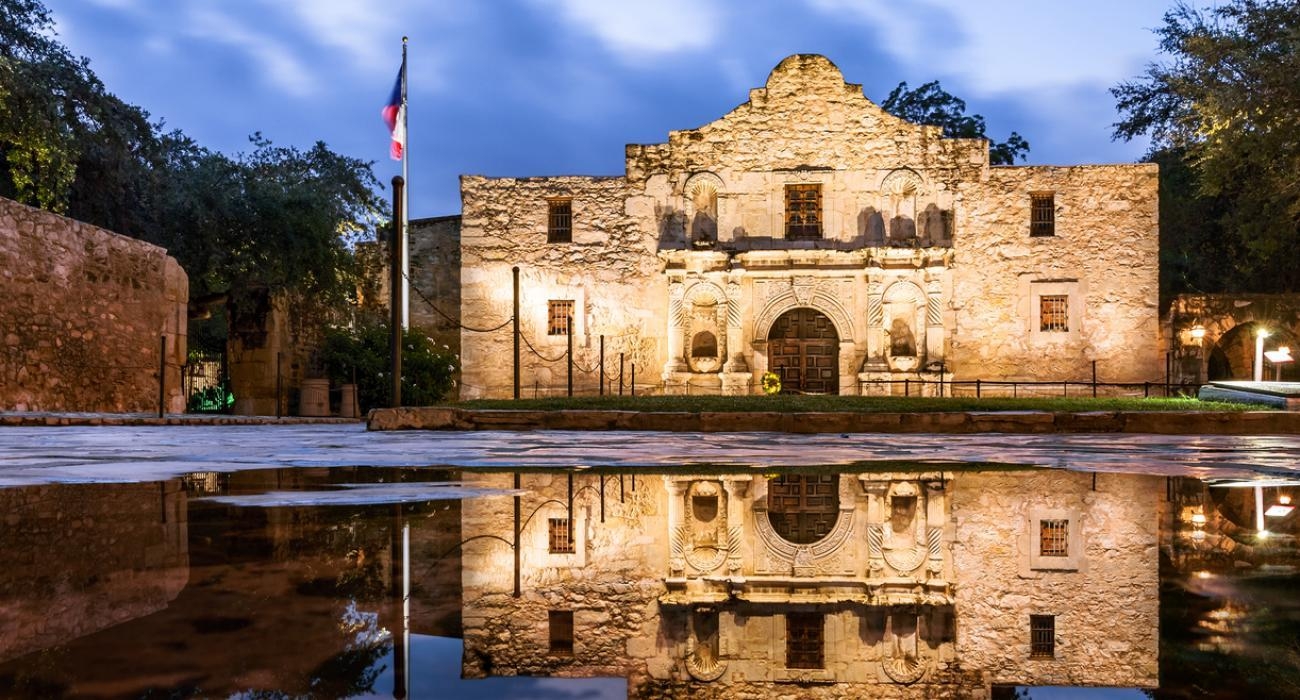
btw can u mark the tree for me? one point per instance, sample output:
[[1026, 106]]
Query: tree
[[1226, 103], [930, 104]]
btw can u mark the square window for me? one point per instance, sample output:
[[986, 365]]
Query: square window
[[561, 626], [804, 640], [558, 314], [1054, 313], [559, 221], [1042, 214], [803, 212], [561, 536], [1042, 636], [1054, 538]]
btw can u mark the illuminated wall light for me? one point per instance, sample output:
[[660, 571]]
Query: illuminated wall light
[[1278, 510], [1264, 534], [1198, 333], [1198, 518], [1204, 574]]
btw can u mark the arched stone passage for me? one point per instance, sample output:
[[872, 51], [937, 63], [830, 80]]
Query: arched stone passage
[[803, 349], [1232, 355]]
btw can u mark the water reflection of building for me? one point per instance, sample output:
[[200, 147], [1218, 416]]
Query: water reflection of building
[[935, 584]]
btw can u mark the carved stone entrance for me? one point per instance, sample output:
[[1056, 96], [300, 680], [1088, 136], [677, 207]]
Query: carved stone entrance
[[803, 349]]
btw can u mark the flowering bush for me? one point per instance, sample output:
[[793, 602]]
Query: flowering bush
[[771, 383]]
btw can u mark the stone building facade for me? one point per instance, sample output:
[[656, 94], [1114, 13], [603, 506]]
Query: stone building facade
[[812, 234], [87, 317], [902, 584]]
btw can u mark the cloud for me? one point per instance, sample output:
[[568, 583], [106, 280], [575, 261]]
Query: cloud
[[636, 30], [273, 56], [1004, 45]]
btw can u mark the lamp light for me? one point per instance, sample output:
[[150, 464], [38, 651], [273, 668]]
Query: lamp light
[[1260, 335], [1198, 518], [1198, 333]]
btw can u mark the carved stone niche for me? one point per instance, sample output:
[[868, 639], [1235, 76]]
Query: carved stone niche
[[703, 658], [706, 327], [906, 553], [701, 538]]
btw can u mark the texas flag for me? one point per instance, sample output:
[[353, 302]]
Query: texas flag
[[395, 117]]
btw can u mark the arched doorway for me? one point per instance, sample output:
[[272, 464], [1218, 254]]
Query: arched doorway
[[1233, 356], [804, 351]]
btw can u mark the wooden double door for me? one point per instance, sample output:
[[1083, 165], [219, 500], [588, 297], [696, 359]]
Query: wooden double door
[[804, 351]]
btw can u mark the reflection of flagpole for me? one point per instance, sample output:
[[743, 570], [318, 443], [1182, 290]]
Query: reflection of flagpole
[[406, 216]]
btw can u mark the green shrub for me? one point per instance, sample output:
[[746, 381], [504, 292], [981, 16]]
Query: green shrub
[[427, 368]]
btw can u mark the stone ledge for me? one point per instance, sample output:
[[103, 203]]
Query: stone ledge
[[1154, 422], [60, 419]]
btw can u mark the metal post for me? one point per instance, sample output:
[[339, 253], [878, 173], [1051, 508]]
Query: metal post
[[1094, 379], [395, 260], [634, 379], [569, 353], [620, 488], [1168, 371], [602, 373], [515, 272], [571, 508], [516, 533], [620, 374], [279, 384], [907, 387], [162, 375], [977, 388], [602, 497]]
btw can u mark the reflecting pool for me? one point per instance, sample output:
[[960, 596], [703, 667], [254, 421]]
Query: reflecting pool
[[893, 579]]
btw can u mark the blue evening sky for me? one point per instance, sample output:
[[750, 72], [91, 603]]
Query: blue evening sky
[[546, 87]]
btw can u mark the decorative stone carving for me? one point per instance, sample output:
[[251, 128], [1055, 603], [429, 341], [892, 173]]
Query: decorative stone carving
[[803, 289]]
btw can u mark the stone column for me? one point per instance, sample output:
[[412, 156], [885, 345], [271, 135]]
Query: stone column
[[676, 494], [934, 330], [735, 489], [875, 329], [676, 329]]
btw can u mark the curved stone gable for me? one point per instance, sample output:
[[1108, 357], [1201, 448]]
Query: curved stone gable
[[807, 117]]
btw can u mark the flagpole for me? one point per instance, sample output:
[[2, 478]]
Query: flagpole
[[406, 216]]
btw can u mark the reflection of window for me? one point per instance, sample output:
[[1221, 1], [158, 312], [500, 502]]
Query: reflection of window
[[558, 313], [1054, 538], [803, 509], [1054, 313], [561, 539], [559, 221], [561, 624], [803, 211], [803, 640], [1042, 214], [1042, 636]]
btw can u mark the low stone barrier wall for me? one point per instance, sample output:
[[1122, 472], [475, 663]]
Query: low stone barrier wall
[[1157, 422], [83, 312]]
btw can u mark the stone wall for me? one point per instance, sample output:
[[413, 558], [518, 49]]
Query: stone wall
[[1104, 594], [82, 313], [1103, 257], [435, 279], [922, 268], [609, 270]]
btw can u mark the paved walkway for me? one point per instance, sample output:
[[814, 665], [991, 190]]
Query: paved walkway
[[90, 454]]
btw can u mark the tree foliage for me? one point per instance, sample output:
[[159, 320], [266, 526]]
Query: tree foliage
[[930, 104], [1223, 112], [272, 219]]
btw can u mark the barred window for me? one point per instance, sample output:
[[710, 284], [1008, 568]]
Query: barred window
[[1042, 214], [558, 314], [1054, 313], [803, 212], [561, 626], [804, 641], [559, 221], [1054, 538], [561, 537], [1042, 636]]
